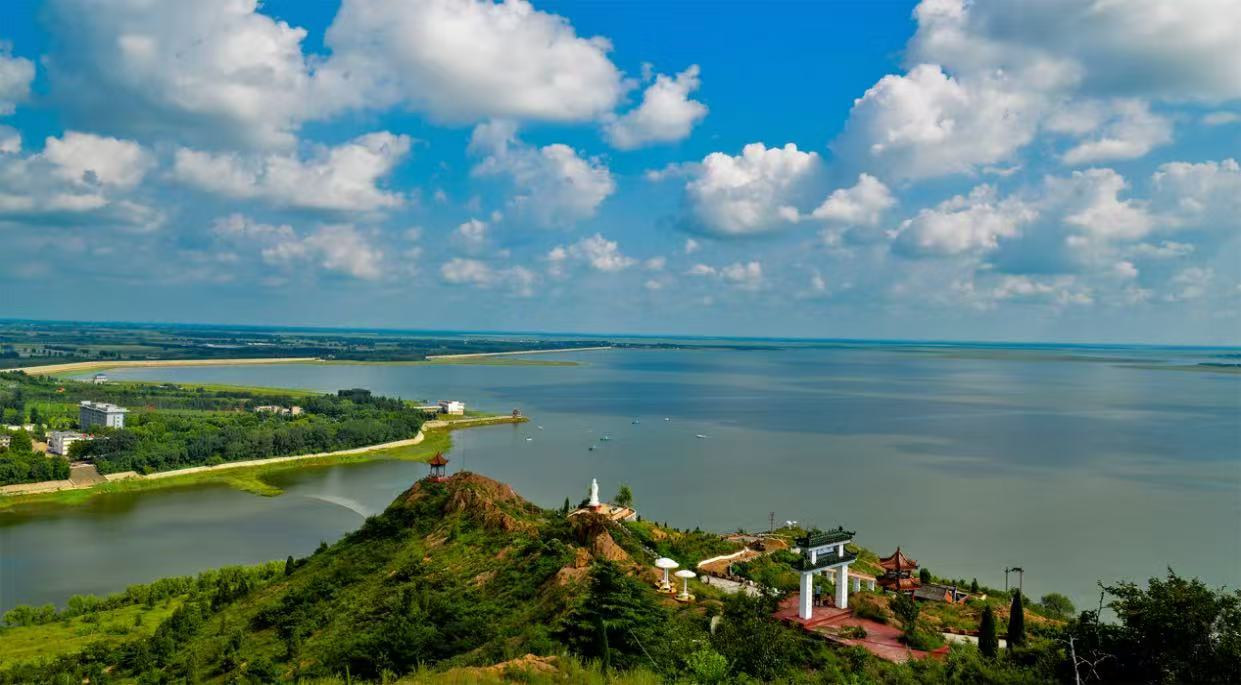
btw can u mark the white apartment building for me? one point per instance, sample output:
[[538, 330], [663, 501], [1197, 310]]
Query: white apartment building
[[100, 414], [58, 442]]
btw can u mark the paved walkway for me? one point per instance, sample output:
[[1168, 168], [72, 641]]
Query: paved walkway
[[732, 587], [882, 640]]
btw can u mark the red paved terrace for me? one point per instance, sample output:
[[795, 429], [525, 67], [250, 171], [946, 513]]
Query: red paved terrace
[[882, 640]]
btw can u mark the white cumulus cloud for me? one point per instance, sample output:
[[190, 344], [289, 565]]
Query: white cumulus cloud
[[666, 114], [468, 60], [517, 280], [752, 193], [974, 223], [343, 178], [16, 73], [861, 205], [200, 73], [552, 184], [339, 248], [596, 251]]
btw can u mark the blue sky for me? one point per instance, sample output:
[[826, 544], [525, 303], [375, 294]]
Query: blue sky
[[1061, 170]]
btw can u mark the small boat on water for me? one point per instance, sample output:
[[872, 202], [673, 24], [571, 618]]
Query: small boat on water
[[605, 438], [591, 448], [667, 419], [529, 439], [635, 422], [540, 428], [700, 435]]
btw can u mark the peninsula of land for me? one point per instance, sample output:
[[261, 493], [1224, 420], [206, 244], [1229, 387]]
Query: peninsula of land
[[65, 441]]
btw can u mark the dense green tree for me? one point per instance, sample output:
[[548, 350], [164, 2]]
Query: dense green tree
[[1175, 630], [906, 610], [753, 643], [924, 575], [1016, 622], [1057, 605], [624, 496], [988, 641], [624, 608], [20, 442], [289, 566], [707, 666], [974, 586]]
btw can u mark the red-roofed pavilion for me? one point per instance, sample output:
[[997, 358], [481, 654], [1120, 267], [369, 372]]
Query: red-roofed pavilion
[[898, 573], [438, 462]]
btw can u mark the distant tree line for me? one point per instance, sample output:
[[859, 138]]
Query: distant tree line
[[160, 441]]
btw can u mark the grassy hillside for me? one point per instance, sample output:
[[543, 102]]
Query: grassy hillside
[[463, 581]]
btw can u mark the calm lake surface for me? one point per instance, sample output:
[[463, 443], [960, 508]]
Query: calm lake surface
[[1076, 464]]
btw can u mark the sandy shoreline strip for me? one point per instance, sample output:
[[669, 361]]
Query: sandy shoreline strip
[[74, 367], [515, 352], [82, 367]]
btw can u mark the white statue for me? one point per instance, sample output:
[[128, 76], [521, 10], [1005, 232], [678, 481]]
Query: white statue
[[594, 492]]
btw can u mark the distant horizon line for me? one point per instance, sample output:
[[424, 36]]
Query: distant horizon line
[[674, 336]]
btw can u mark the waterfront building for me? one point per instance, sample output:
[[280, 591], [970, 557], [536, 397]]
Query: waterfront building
[[454, 407], [822, 552], [99, 378], [58, 442], [100, 414], [899, 573], [438, 464]]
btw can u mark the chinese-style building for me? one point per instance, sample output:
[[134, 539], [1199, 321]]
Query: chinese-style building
[[438, 462], [899, 573]]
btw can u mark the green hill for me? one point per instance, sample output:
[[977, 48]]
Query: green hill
[[463, 581]]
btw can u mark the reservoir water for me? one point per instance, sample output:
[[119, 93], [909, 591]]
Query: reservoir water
[[1077, 464]]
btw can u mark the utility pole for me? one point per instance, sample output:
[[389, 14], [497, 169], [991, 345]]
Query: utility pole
[[771, 522], [1007, 570], [1021, 577]]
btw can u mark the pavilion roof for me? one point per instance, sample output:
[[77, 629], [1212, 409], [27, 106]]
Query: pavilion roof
[[438, 460], [898, 562]]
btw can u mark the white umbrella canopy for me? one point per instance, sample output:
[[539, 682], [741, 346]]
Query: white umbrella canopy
[[666, 564], [685, 574]]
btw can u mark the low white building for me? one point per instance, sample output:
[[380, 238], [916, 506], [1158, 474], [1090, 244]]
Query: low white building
[[452, 407], [58, 442], [99, 378], [277, 409], [5, 441], [100, 414]]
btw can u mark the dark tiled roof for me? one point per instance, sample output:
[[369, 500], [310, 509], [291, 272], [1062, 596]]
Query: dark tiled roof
[[819, 537]]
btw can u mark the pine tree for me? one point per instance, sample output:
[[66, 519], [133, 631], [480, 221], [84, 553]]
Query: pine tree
[[924, 575], [974, 586], [1016, 623], [289, 565], [605, 652], [988, 641], [565, 509]]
